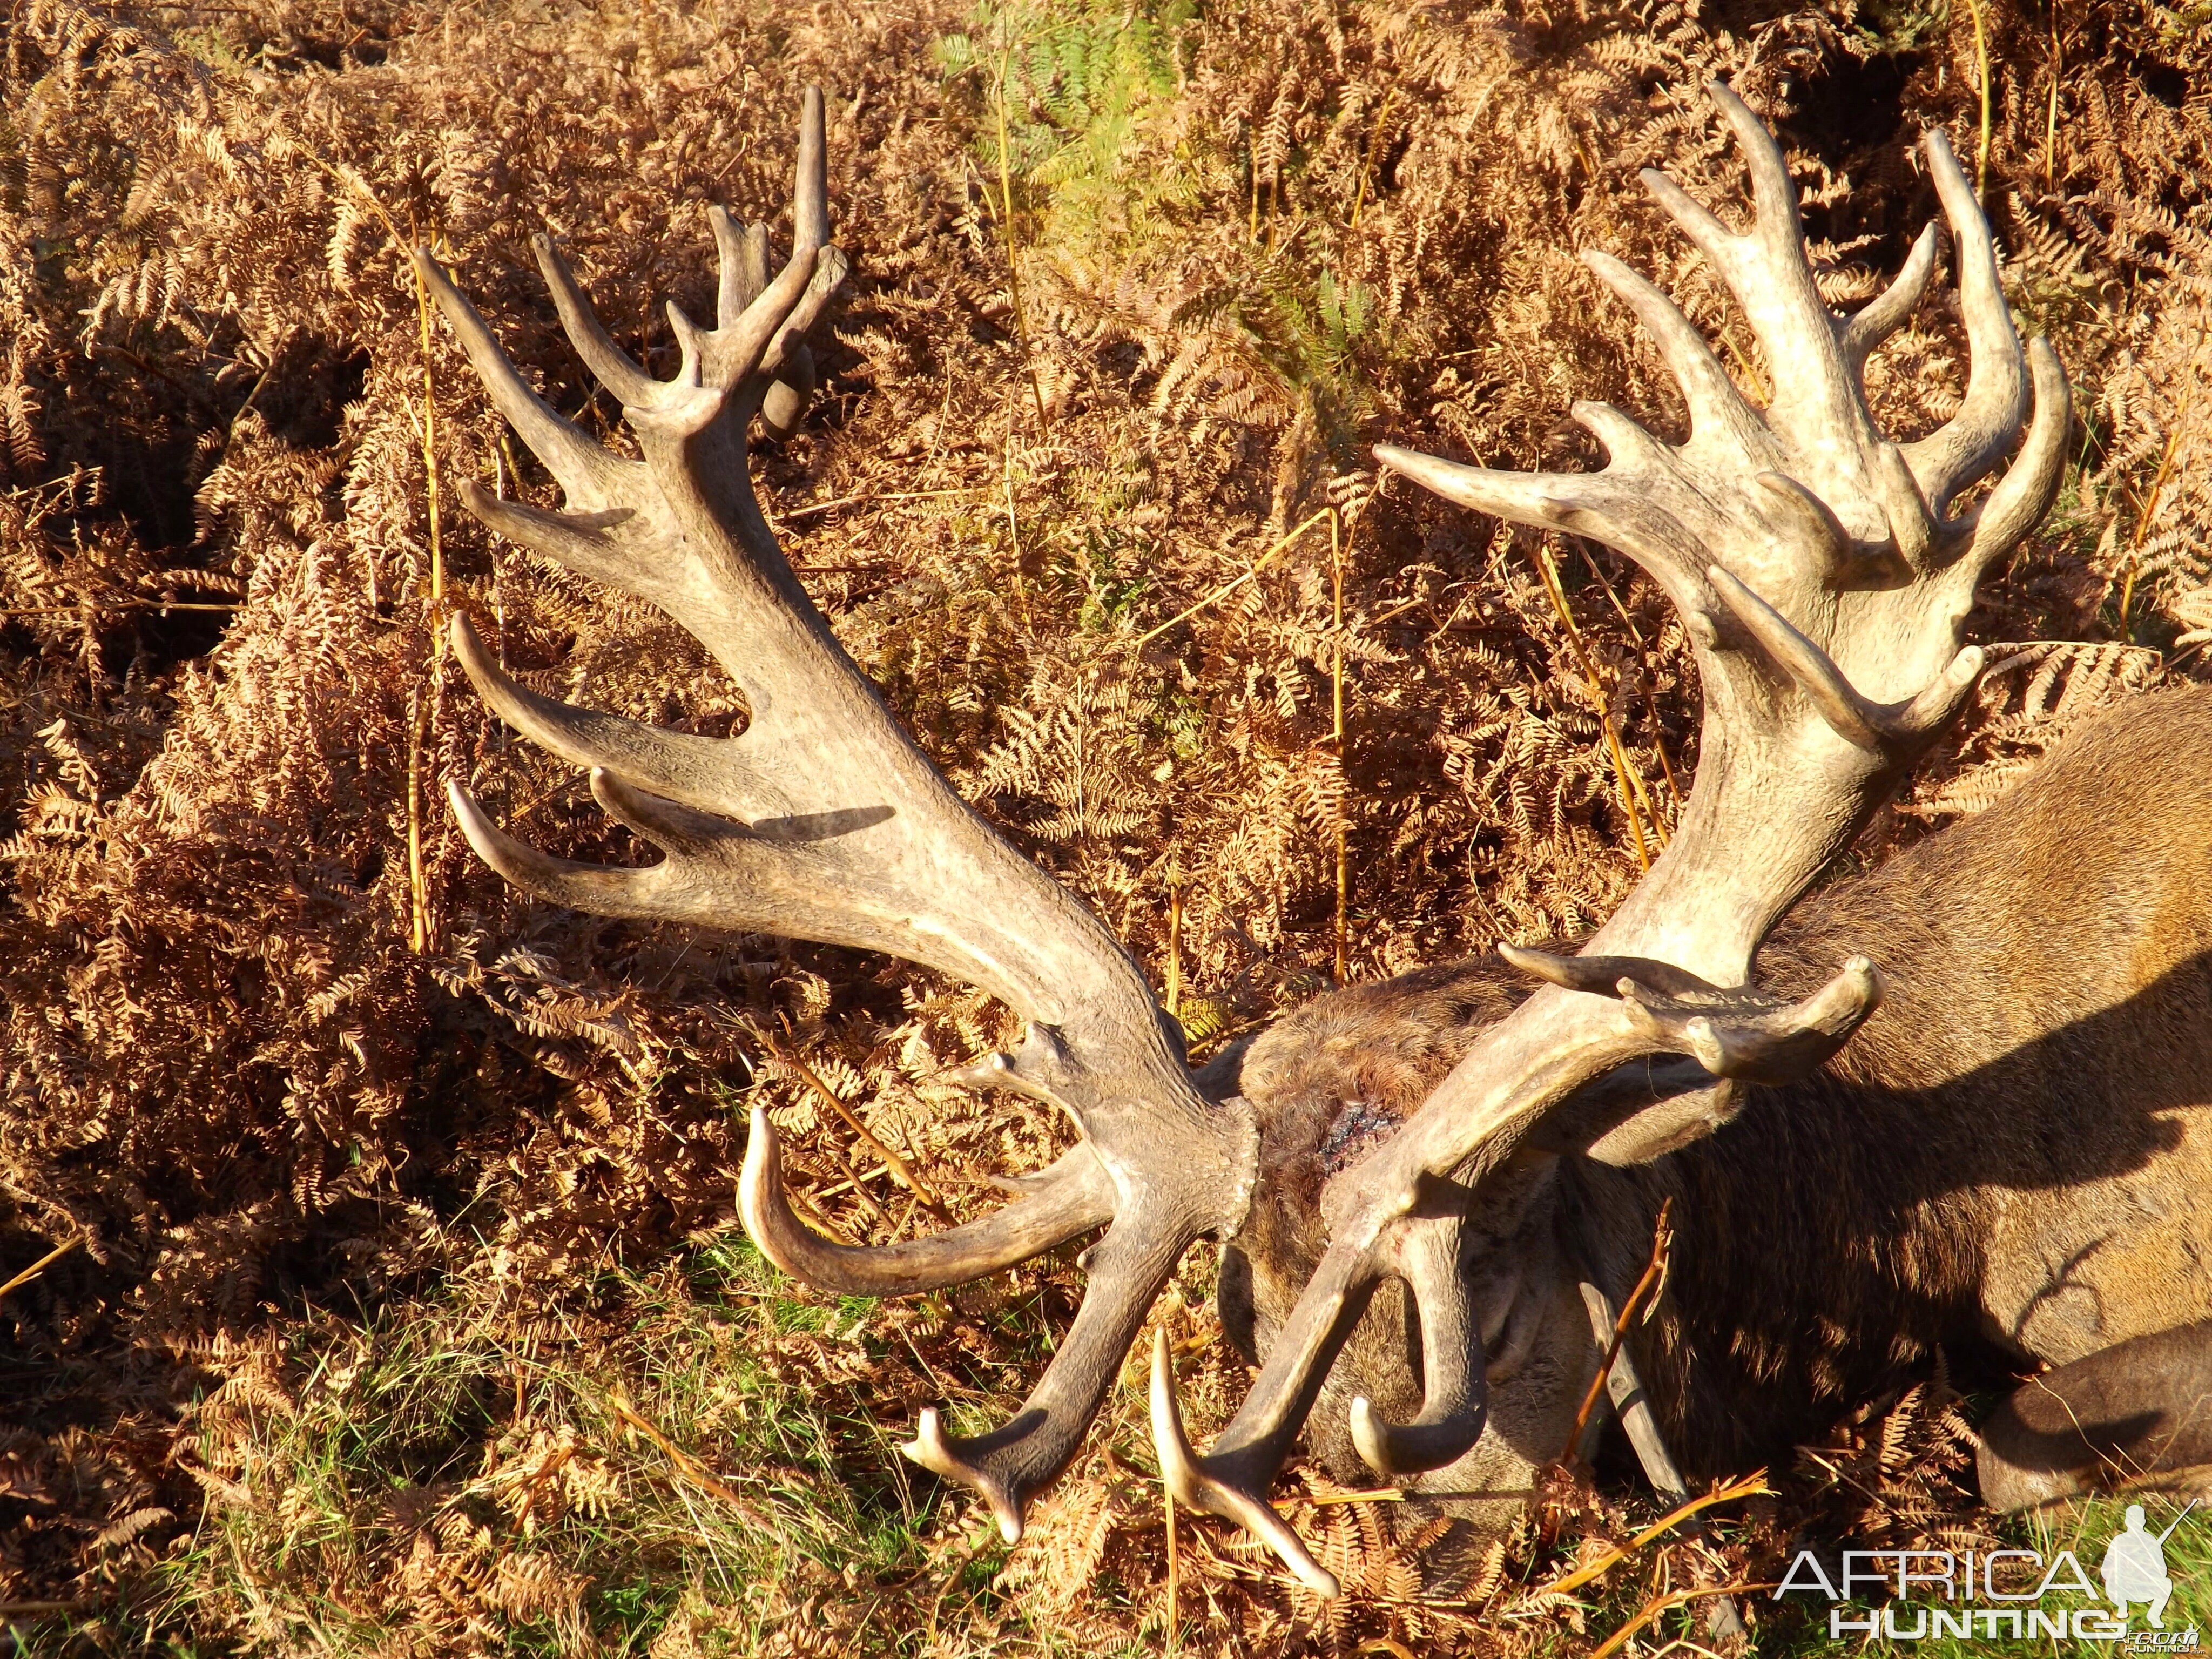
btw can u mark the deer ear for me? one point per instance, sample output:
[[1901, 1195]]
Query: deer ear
[[1640, 1111]]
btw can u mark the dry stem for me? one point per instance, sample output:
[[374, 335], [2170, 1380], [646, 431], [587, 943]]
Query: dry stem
[[901, 1172], [1621, 774], [40, 1264], [1662, 1238]]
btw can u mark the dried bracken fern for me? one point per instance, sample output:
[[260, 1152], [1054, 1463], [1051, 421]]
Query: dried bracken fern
[[1252, 238]]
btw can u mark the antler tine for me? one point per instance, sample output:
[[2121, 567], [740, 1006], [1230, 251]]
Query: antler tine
[[711, 862], [1073, 1197], [736, 347], [587, 474], [2018, 502], [1771, 278], [736, 878], [1608, 505], [824, 820], [1886, 730], [1716, 406], [1225, 1483], [603, 546], [741, 258], [1418, 1241], [1815, 392], [743, 252], [1455, 1392], [1009, 1465], [1732, 1032], [810, 193], [1884, 315], [610, 365], [588, 887], [1974, 440], [756, 316], [701, 772]]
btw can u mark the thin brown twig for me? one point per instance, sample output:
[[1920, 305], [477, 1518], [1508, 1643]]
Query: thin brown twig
[[1336, 699], [552, 1466], [686, 1465], [1751, 1485], [823, 1224], [1659, 746], [431, 455], [1174, 1571], [418, 887], [419, 929], [1014, 245], [2149, 508], [1636, 634], [1659, 1604], [95, 606], [1550, 574], [837, 1187], [1982, 73], [1175, 952], [41, 1265], [808, 512], [1663, 1239], [1236, 582], [901, 1172], [1606, 587], [1397, 610], [151, 366], [1635, 773], [1375, 141], [2050, 126], [1013, 519], [853, 1181]]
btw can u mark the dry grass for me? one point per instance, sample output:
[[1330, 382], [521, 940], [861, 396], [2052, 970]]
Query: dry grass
[[409, 1317]]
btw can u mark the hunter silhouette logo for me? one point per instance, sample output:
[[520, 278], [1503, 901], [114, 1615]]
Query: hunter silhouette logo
[[2004, 1594], [2135, 1567]]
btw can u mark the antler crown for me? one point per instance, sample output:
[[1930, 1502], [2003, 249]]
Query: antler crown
[[1824, 582]]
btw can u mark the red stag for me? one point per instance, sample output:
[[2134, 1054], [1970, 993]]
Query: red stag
[[1436, 1189]]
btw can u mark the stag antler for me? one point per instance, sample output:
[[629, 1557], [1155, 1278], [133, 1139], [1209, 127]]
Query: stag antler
[[1825, 584], [824, 820]]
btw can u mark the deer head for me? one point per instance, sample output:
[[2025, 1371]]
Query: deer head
[[1825, 579]]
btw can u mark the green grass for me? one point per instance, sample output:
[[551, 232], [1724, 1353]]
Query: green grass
[[697, 1457], [373, 1476], [1080, 84], [408, 1442]]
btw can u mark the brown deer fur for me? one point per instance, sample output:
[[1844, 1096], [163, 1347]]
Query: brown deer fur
[[2014, 1157]]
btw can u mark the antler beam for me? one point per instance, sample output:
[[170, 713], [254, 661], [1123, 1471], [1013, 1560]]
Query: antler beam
[[824, 820]]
